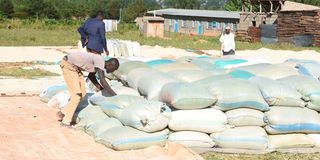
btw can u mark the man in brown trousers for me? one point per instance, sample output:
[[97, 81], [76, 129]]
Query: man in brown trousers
[[72, 66]]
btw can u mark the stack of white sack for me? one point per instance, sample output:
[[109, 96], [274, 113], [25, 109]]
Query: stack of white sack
[[192, 127], [136, 122], [150, 85], [237, 93], [310, 69], [58, 96], [278, 94], [113, 134], [118, 48], [273, 71], [288, 127], [182, 95], [122, 48], [127, 67], [250, 137], [197, 102], [307, 86], [244, 106]]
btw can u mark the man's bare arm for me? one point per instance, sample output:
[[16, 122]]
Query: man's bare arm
[[93, 79], [104, 83]]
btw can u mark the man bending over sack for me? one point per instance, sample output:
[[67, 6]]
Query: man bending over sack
[[72, 66]]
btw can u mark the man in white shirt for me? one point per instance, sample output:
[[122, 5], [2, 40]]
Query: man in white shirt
[[227, 42]]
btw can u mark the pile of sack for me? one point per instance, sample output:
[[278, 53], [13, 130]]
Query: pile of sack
[[203, 102], [119, 48]]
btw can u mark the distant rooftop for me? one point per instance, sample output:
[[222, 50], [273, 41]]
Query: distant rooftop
[[263, 1], [196, 13], [151, 18], [295, 6]]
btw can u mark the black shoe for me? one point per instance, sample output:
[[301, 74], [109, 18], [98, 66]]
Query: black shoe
[[66, 125]]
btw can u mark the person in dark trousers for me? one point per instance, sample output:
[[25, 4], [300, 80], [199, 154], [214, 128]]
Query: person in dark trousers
[[93, 34], [72, 66]]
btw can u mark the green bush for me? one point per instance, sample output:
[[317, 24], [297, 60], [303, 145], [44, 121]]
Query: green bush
[[43, 24]]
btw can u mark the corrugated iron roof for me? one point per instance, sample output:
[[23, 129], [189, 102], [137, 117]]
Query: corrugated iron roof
[[196, 13]]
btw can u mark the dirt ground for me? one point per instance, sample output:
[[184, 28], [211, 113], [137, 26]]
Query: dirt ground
[[29, 131], [12, 86], [20, 54]]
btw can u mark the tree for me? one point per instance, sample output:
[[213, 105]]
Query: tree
[[6, 8], [98, 5], [80, 9], [233, 5], [51, 10], [20, 10], [43, 9], [213, 4], [135, 9], [131, 8], [113, 11], [152, 4], [185, 4]]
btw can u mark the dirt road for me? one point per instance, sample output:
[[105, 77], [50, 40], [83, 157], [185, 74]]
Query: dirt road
[[29, 131]]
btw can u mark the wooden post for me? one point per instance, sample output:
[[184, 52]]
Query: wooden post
[[281, 4], [242, 5], [277, 9], [260, 5]]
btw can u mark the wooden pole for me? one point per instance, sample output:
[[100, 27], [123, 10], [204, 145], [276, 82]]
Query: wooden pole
[[260, 5], [277, 9], [281, 4], [242, 5]]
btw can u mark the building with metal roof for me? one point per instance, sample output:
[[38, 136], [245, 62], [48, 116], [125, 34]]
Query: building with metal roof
[[196, 13], [197, 22]]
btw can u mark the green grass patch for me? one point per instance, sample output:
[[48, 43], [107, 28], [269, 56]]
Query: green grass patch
[[197, 42], [25, 73], [36, 37], [271, 156], [41, 24], [64, 33]]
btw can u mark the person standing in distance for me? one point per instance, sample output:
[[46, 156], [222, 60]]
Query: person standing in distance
[[228, 45], [93, 34]]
